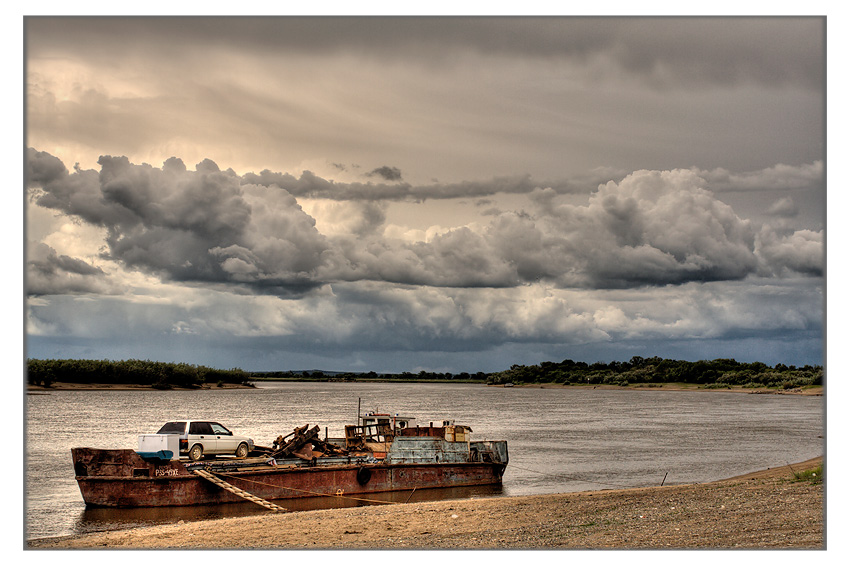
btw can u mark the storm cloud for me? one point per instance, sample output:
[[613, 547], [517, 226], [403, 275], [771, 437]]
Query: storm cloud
[[652, 228], [699, 51], [50, 273], [387, 173], [443, 193], [200, 225]]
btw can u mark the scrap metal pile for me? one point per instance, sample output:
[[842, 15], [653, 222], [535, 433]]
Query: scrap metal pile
[[304, 443]]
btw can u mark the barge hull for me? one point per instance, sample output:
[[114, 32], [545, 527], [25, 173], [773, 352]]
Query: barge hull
[[121, 478]]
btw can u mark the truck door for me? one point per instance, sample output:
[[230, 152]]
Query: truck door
[[201, 433], [224, 441]]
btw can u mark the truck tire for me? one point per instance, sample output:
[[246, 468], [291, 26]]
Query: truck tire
[[196, 452]]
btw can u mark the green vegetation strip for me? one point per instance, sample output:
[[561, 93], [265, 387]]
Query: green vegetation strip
[[814, 476], [639, 371]]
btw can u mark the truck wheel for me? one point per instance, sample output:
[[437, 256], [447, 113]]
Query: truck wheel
[[196, 453]]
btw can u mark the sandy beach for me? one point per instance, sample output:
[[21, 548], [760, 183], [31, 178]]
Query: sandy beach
[[766, 509]]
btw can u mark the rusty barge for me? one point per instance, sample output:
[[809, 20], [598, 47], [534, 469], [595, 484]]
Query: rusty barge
[[382, 453]]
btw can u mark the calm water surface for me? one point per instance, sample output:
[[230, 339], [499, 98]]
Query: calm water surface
[[559, 440]]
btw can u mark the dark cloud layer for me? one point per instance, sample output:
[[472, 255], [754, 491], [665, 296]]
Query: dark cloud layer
[[651, 228], [49, 273], [201, 225], [310, 185], [396, 328], [386, 173], [807, 176], [477, 233], [666, 51]]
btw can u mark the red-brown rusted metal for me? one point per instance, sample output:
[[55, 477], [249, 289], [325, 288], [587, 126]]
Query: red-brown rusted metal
[[376, 457], [121, 478]]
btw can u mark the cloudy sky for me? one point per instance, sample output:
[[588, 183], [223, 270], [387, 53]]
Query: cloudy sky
[[425, 193]]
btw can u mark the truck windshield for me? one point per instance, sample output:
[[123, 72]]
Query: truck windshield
[[173, 428]]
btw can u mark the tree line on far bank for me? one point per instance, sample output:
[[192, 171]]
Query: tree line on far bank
[[719, 373], [160, 375]]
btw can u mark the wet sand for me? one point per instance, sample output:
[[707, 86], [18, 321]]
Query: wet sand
[[766, 509]]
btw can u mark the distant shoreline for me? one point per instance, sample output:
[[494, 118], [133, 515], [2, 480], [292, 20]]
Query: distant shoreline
[[812, 390], [124, 387], [816, 390]]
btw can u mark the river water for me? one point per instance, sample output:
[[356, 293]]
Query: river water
[[559, 440]]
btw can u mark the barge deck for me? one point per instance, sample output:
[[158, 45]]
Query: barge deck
[[374, 457]]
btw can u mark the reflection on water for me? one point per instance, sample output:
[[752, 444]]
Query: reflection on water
[[106, 519], [559, 440]]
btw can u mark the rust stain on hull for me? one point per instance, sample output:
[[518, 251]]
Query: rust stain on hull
[[121, 478], [383, 453]]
